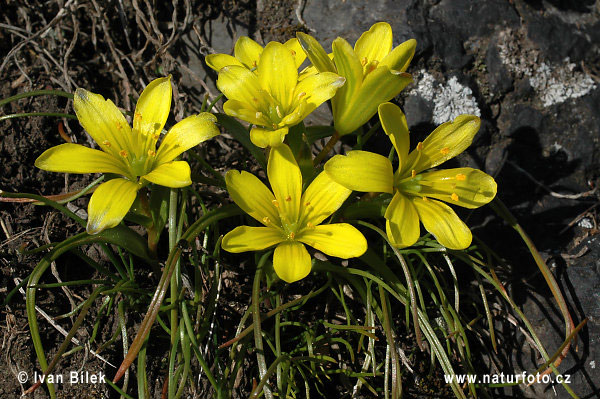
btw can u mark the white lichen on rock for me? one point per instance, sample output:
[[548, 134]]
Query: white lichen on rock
[[557, 84], [552, 83], [450, 99]]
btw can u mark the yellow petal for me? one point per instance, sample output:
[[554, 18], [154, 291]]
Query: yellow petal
[[348, 65], [379, 86], [75, 158], [466, 187], [297, 114], [362, 171], [218, 61], [250, 194], [316, 89], [247, 51], [153, 107], [444, 143], [244, 112], [402, 222], [110, 203], [394, 124], [291, 261], [186, 134], [339, 239], [315, 53], [264, 138], [171, 174], [245, 238], [441, 221], [374, 44], [399, 58], [286, 182], [293, 45], [277, 73], [103, 121], [322, 197], [238, 83]]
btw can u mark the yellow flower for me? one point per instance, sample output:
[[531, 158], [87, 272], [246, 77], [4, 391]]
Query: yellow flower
[[290, 218], [273, 98], [247, 54], [374, 73], [416, 192], [128, 152]]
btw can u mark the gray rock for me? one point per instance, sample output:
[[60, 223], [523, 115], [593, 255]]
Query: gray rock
[[499, 78], [417, 110]]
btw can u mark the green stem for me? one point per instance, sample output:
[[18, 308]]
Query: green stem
[[327, 149], [501, 209], [24, 114], [258, 342], [36, 93], [278, 341], [174, 289], [159, 294]]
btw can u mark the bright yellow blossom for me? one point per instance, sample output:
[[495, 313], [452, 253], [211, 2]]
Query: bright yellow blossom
[[130, 153], [273, 98], [416, 192], [247, 52], [290, 218], [374, 73]]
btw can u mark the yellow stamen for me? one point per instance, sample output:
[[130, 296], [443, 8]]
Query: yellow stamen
[[123, 153], [254, 64], [424, 199], [275, 203], [461, 177], [364, 61], [106, 143], [292, 235], [420, 146], [274, 126], [119, 126], [258, 115], [310, 225], [445, 151], [266, 220], [288, 198], [301, 95], [413, 173], [151, 153], [454, 197]]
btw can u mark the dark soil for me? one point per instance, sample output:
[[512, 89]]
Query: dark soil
[[540, 139]]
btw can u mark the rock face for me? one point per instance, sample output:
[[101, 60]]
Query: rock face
[[530, 69]]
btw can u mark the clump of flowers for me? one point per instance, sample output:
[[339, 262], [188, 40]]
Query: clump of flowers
[[417, 190], [128, 152], [304, 205], [290, 218]]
